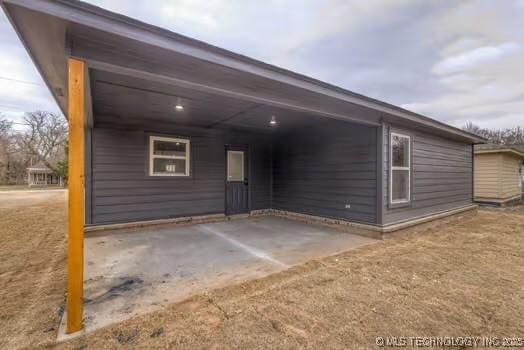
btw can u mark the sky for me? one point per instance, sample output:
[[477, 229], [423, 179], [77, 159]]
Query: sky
[[455, 61]]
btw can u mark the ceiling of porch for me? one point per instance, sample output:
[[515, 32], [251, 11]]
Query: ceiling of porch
[[132, 101]]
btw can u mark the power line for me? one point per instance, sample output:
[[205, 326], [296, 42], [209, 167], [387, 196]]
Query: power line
[[15, 108], [20, 81], [12, 108]]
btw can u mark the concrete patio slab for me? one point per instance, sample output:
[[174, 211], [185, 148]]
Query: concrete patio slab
[[133, 272]]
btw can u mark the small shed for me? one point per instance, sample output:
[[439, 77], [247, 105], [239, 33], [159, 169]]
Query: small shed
[[40, 175], [498, 174]]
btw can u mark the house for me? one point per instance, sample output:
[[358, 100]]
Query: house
[[498, 174], [40, 175], [164, 127]]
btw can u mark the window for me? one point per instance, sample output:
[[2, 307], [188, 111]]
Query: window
[[235, 166], [168, 156], [400, 168]]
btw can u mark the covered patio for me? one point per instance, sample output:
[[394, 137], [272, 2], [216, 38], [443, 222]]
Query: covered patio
[[137, 270], [131, 272]]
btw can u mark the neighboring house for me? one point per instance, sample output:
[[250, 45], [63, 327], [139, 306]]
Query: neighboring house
[[498, 174], [40, 175], [164, 126]]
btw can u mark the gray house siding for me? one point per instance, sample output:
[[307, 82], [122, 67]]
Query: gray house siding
[[122, 191], [318, 171], [88, 176], [441, 175], [260, 158], [328, 171]]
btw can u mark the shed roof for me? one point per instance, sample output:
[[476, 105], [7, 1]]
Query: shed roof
[[53, 30], [495, 148]]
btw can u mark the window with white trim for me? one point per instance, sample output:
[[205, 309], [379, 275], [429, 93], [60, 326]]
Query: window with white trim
[[400, 168], [168, 156]]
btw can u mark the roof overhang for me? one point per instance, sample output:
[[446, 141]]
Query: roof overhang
[[53, 30], [510, 151]]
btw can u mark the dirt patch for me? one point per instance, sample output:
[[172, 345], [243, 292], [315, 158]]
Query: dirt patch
[[31, 198], [463, 279], [32, 267], [513, 209]]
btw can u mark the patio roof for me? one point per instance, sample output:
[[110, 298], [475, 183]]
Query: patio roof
[[162, 67]]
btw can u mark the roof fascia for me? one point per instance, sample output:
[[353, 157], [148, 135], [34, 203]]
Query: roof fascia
[[502, 150]]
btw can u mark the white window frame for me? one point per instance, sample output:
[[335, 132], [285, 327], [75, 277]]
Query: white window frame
[[243, 165], [391, 168], [153, 156]]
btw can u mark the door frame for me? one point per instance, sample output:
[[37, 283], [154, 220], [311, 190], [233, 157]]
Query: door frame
[[247, 173]]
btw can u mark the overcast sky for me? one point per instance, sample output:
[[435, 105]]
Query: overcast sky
[[455, 61]]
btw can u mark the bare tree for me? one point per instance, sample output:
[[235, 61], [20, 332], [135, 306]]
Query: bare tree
[[45, 137], [514, 136], [5, 127], [509, 136], [13, 160], [5, 131], [474, 129]]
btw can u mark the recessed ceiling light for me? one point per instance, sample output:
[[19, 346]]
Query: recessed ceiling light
[[273, 121], [179, 107]]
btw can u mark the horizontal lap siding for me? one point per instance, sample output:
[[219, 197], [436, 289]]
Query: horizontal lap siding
[[316, 171], [510, 176], [319, 171], [441, 176], [260, 176], [122, 191], [487, 178]]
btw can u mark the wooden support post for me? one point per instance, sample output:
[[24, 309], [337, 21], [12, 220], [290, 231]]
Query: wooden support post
[[75, 249]]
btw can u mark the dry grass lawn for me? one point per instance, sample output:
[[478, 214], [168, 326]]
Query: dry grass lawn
[[32, 266], [464, 279]]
